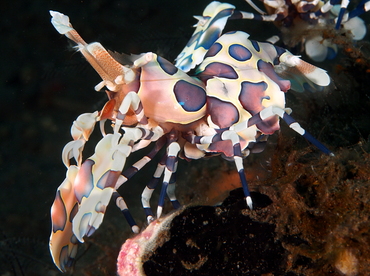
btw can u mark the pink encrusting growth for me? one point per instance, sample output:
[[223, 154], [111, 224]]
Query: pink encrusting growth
[[133, 251]]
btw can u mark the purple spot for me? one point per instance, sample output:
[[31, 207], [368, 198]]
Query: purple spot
[[224, 147], [167, 66], [217, 69], [194, 38], [279, 50], [108, 179], [73, 212], [255, 45], [269, 71], [214, 50], [191, 97], [59, 221], [186, 62], [239, 52], [223, 114], [209, 38], [84, 180], [214, 31], [251, 96]]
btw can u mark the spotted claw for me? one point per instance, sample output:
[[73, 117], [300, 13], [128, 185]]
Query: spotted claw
[[63, 243], [95, 183]]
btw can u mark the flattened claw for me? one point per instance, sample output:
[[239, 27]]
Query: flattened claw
[[63, 244], [91, 212], [95, 183]]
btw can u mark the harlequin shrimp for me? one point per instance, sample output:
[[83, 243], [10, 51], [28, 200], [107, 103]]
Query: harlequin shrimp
[[228, 107], [314, 23]]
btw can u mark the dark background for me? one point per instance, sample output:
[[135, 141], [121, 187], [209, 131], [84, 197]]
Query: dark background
[[45, 85]]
